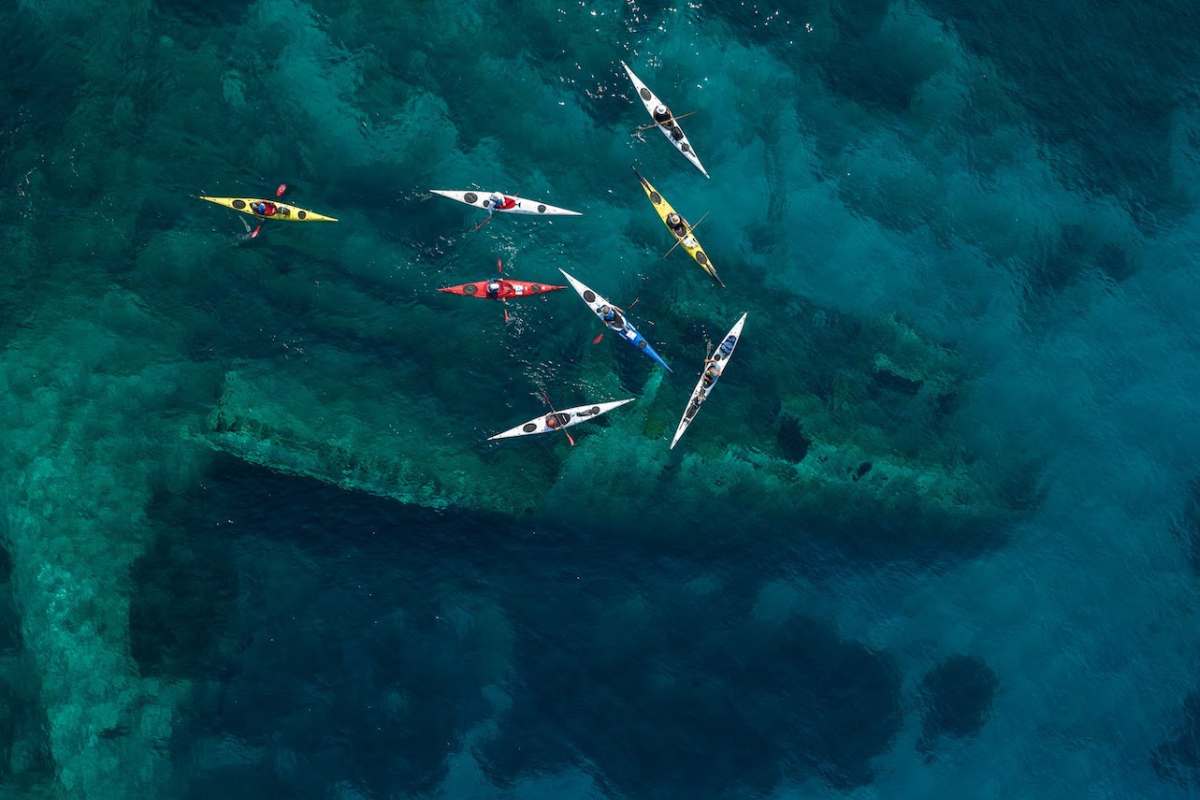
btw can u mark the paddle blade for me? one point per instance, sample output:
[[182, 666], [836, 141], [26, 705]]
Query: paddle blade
[[570, 438], [505, 314], [499, 265], [279, 190], [599, 338]]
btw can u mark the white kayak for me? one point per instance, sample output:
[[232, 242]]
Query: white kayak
[[558, 420], [719, 360], [650, 101], [512, 203], [620, 326]]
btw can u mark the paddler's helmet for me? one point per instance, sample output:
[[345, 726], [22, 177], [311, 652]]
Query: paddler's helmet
[[660, 110], [497, 198], [673, 218]]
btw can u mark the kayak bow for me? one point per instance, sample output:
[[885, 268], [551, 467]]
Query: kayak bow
[[650, 101], [284, 211], [562, 419], [626, 330], [720, 358], [688, 242]]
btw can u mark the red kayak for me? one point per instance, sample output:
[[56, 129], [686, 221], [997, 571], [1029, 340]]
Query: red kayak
[[508, 289]]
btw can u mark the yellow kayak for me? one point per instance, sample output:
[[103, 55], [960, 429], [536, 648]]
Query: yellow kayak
[[688, 242], [283, 211]]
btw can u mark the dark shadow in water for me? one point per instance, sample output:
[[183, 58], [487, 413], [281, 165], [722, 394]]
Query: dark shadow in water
[[681, 694], [956, 696], [184, 593], [366, 634], [1178, 758]]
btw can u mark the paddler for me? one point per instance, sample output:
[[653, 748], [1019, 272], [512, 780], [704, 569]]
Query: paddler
[[612, 317], [496, 202], [493, 288], [711, 373], [663, 116], [677, 224], [264, 208]]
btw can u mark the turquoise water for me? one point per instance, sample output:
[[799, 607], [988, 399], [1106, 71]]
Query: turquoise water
[[936, 533]]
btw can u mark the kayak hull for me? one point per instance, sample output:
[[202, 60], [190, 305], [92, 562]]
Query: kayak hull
[[689, 243], [566, 418], [627, 332], [701, 392], [520, 204], [509, 289], [286, 212], [649, 100]]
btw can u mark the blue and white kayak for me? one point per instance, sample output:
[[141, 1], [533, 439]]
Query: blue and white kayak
[[715, 365], [620, 326]]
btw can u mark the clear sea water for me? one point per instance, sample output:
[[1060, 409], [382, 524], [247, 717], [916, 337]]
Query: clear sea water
[[936, 534]]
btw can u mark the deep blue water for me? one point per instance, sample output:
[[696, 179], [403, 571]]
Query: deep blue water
[[936, 534]]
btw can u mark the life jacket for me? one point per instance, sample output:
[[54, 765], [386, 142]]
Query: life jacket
[[269, 210], [508, 202]]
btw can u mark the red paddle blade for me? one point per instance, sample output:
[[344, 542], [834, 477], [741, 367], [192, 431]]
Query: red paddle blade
[[506, 313], [569, 439], [280, 190], [499, 265], [598, 339]]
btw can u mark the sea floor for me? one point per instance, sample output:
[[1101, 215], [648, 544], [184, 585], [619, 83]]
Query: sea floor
[[935, 534]]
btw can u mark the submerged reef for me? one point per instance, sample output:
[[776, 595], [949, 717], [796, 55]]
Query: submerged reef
[[843, 426]]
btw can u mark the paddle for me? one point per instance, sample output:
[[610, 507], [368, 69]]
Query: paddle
[[280, 189], [567, 433], [679, 240], [500, 269], [480, 225], [650, 125]]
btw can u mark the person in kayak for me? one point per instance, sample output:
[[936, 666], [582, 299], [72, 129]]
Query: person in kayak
[[493, 288], [711, 374], [677, 224], [663, 116], [612, 317], [264, 208], [497, 202]]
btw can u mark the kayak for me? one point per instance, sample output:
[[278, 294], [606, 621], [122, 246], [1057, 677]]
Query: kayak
[[558, 420], [512, 203], [650, 101], [621, 326], [283, 211], [508, 289], [720, 358], [689, 242]]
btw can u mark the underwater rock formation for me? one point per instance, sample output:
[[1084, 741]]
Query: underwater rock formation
[[805, 430], [74, 496]]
